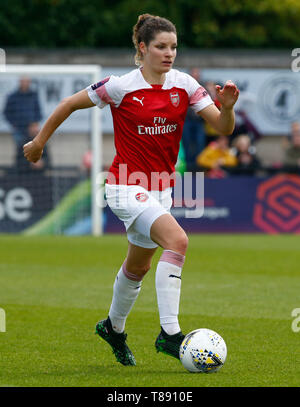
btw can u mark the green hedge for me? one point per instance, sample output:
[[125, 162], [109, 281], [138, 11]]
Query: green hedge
[[102, 23]]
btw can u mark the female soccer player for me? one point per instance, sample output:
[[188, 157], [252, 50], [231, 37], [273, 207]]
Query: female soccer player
[[148, 105]]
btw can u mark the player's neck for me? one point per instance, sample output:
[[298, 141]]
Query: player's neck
[[152, 77]]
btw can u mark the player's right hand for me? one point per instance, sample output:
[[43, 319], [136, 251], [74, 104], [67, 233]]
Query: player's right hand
[[32, 151]]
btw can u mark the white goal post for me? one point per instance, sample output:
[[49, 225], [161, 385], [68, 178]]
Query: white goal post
[[94, 75]]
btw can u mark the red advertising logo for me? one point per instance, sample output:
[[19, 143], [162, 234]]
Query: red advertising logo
[[278, 206]]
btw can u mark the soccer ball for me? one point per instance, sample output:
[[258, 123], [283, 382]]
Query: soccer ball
[[203, 350]]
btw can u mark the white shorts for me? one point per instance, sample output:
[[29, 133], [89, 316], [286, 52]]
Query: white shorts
[[138, 208]]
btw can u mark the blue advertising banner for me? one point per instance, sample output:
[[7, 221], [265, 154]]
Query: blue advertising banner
[[33, 202], [37, 204], [239, 205]]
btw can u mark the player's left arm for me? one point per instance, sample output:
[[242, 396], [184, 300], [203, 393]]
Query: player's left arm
[[222, 120]]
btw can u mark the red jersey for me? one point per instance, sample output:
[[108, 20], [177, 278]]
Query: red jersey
[[148, 122]]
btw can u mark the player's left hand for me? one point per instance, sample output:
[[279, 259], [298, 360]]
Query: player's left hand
[[227, 95]]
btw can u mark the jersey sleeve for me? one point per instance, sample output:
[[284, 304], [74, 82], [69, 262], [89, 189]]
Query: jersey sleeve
[[105, 92], [198, 96]]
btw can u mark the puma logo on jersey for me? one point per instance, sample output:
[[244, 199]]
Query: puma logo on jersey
[[138, 100]]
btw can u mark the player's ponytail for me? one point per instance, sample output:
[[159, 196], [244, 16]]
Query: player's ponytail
[[145, 30]]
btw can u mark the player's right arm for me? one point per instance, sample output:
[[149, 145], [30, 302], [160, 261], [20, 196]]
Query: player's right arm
[[80, 100]]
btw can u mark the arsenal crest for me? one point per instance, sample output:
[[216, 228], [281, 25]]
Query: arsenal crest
[[175, 98], [141, 196]]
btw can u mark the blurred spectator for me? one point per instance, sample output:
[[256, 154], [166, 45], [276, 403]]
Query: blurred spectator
[[292, 153], [243, 123], [217, 157], [247, 162], [181, 163], [210, 86], [294, 129], [193, 136], [86, 164], [22, 111]]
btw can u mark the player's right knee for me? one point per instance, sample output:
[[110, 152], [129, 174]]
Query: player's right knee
[[178, 242]]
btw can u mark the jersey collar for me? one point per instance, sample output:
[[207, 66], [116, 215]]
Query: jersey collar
[[165, 84]]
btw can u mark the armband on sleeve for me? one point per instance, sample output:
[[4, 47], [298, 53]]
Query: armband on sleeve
[[99, 93]]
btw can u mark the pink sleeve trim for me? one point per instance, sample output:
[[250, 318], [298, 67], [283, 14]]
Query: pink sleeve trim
[[198, 95], [103, 95]]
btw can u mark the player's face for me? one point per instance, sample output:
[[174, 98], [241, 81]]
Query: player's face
[[160, 54]]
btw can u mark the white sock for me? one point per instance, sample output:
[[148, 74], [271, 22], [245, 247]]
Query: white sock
[[125, 292], [168, 285]]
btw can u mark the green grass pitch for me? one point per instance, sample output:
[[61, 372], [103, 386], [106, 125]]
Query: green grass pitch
[[55, 289]]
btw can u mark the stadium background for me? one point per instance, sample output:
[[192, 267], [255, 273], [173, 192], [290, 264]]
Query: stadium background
[[252, 52], [248, 42]]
